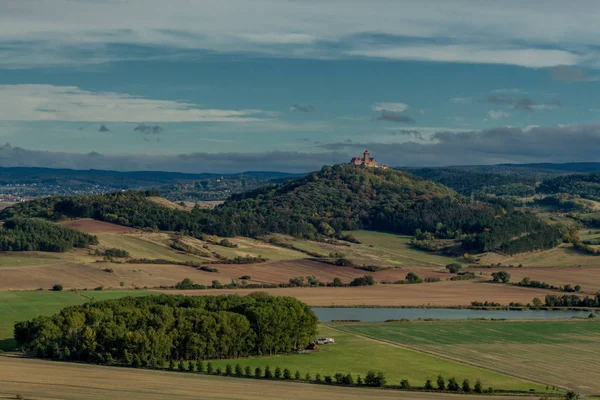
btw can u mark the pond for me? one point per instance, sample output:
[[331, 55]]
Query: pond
[[327, 314]]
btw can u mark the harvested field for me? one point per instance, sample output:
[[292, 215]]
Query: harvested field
[[38, 379], [444, 294], [161, 201], [587, 277], [5, 204], [24, 259], [94, 227], [560, 353]]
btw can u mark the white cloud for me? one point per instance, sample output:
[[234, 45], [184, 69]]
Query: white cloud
[[390, 107], [524, 57], [460, 100], [53, 32], [70, 103], [497, 114]]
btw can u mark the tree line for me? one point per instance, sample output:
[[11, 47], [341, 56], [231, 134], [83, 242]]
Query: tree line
[[157, 329], [26, 234]]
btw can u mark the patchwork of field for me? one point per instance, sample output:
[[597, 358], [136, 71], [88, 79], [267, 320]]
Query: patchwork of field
[[21, 306], [443, 294], [93, 227], [38, 379], [559, 353], [356, 355]]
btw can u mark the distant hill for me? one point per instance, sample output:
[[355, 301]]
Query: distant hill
[[176, 186], [501, 179], [586, 186], [322, 204]]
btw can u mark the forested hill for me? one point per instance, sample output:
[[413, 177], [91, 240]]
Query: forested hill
[[341, 197], [583, 185]]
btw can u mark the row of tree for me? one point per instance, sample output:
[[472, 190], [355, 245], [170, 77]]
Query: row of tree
[[157, 329], [26, 234]]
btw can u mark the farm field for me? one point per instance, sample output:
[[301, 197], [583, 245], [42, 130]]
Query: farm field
[[8, 260], [562, 256], [587, 277], [561, 353], [39, 379], [357, 355], [444, 294], [395, 249], [21, 306]]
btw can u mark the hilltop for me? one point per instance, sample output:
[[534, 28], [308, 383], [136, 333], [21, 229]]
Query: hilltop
[[321, 204]]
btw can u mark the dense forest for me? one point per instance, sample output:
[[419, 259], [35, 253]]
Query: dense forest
[[480, 183], [24, 234], [341, 197], [586, 186], [153, 330]]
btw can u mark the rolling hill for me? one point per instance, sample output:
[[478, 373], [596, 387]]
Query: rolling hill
[[321, 205]]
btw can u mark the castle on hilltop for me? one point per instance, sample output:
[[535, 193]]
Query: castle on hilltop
[[366, 161]]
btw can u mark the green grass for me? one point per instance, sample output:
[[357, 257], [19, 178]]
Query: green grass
[[139, 248], [357, 355], [21, 306], [26, 259], [559, 353], [481, 332], [395, 249]]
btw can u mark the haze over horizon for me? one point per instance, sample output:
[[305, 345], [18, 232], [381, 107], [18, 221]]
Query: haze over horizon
[[291, 86]]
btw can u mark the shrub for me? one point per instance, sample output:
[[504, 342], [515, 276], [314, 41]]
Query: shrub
[[247, 371], [219, 371], [57, 288], [453, 385], [466, 386], [318, 378], [257, 372], [478, 388], [228, 370], [366, 280], [172, 365], [404, 384], [428, 385], [239, 372], [328, 380], [200, 366], [359, 381], [209, 368], [501, 276], [287, 374], [453, 268], [375, 380], [277, 374], [191, 366], [181, 366], [245, 277], [339, 378], [115, 252], [307, 377], [268, 373], [441, 383], [297, 376]]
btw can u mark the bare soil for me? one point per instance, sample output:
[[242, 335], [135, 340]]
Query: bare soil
[[38, 379], [92, 226]]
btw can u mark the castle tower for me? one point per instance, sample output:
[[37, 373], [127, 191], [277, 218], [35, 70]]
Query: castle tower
[[367, 157]]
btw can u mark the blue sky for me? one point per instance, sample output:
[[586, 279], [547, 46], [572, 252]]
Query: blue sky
[[230, 86]]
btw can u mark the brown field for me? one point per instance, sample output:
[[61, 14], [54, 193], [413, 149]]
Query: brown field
[[587, 277], [169, 204], [92, 226], [43, 380], [444, 294], [5, 204]]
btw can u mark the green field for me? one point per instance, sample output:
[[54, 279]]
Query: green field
[[561, 353], [21, 306], [357, 355], [395, 249], [140, 248], [27, 259]]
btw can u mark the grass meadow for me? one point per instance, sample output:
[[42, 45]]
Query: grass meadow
[[357, 355], [21, 306], [561, 353]]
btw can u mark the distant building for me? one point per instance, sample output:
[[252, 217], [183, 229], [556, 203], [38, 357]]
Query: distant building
[[366, 161]]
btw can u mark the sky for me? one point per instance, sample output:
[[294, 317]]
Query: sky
[[230, 86]]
